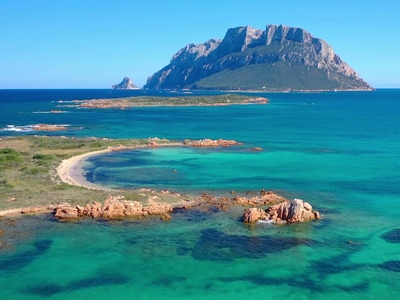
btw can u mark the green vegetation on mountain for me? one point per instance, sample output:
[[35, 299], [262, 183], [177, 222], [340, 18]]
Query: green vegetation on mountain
[[272, 77]]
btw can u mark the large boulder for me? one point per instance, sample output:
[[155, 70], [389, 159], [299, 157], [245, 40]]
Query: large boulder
[[254, 214], [296, 211]]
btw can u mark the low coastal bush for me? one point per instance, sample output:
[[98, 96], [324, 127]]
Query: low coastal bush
[[96, 145], [5, 184], [36, 171], [10, 155], [43, 157], [63, 187], [45, 160], [28, 169]]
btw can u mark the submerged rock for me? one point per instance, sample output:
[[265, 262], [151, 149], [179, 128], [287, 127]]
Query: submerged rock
[[215, 245], [392, 236], [391, 265], [296, 211]]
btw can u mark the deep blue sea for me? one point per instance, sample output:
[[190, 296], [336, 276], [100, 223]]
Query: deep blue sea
[[338, 151]]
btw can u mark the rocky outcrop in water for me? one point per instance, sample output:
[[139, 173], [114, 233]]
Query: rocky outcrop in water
[[254, 214], [49, 127], [211, 143], [113, 208], [277, 58], [296, 211], [125, 84], [210, 202]]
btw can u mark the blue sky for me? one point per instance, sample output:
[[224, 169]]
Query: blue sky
[[94, 44]]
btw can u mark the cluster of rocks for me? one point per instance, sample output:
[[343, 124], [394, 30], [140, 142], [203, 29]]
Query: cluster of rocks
[[49, 127], [259, 100], [223, 203], [296, 211], [113, 208], [211, 143]]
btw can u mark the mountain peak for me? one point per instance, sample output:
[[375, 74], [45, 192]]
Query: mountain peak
[[277, 58], [125, 84]]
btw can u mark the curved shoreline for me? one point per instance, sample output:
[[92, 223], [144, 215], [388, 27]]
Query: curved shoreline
[[70, 170]]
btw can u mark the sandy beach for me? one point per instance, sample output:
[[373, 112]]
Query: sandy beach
[[70, 170]]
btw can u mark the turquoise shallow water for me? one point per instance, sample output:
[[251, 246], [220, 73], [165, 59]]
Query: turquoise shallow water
[[339, 151]]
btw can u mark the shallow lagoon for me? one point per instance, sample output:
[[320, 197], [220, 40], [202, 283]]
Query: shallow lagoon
[[339, 151]]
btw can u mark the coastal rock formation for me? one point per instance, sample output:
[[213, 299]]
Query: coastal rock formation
[[29, 210], [277, 58], [265, 198], [211, 143], [223, 203], [49, 127], [296, 211], [113, 208], [254, 214], [66, 211], [125, 84]]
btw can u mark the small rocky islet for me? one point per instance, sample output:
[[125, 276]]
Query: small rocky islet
[[125, 84]]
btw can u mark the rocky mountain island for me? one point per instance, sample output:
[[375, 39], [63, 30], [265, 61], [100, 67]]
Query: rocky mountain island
[[125, 84], [280, 58]]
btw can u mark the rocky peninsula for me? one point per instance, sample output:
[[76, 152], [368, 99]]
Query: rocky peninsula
[[70, 188]]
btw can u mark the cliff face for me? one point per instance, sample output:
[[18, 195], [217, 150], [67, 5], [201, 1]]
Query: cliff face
[[278, 58], [125, 84]]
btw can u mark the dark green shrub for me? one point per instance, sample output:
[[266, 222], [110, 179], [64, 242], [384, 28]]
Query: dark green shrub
[[9, 155], [95, 145], [43, 157]]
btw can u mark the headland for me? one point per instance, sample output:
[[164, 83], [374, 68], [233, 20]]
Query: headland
[[63, 179]]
